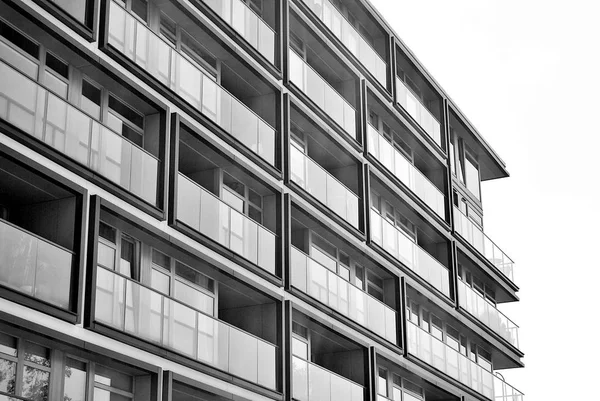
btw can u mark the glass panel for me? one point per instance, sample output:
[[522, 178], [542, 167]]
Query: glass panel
[[75, 380], [243, 355], [194, 298], [8, 376], [36, 383], [18, 252], [300, 379], [266, 365], [53, 276], [143, 315], [110, 296]]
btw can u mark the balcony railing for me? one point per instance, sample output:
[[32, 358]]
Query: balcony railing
[[248, 24], [485, 312], [176, 71], [129, 306], [314, 383], [34, 266], [400, 246], [315, 180], [316, 280], [45, 116], [504, 391], [319, 91], [393, 160], [418, 111], [448, 360], [481, 242], [204, 212], [349, 36]]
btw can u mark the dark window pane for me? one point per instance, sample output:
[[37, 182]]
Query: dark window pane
[[37, 354], [113, 378], [255, 214], [108, 233], [125, 111], [91, 92], [194, 277], [140, 8], [254, 198], [8, 345], [76, 8], [299, 330], [234, 184], [20, 40], [160, 259], [57, 65]]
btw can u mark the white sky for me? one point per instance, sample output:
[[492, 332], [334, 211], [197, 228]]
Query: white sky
[[527, 75]]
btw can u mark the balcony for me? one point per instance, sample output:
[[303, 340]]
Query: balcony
[[177, 72], [481, 242], [418, 111], [43, 115], [204, 212], [349, 36], [449, 361], [311, 382], [34, 266], [487, 313], [316, 280], [318, 182], [404, 249], [248, 24], [504, 391], [128, 306], [322, 94], [405, 171]]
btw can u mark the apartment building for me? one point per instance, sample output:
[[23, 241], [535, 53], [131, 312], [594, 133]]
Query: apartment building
[[240, 200]]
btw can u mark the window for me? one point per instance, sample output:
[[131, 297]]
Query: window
[[391, 137], [394, 216], [24, 369], [464, 165], [255, 5], [113, 242], [185, 43], [375, 286], [77, 9], [300, 341], [194, 288], [31, 59], [242, 198], [382, 383], [297, 45], [472, 175]]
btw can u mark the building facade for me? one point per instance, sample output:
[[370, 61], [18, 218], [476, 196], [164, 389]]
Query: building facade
[[240, 200]]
